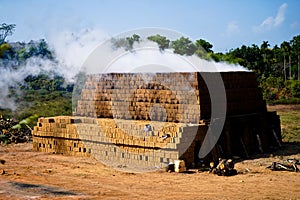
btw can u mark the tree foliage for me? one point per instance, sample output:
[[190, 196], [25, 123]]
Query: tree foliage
[[162, 41], [6, 30], [43, 94], [3, 49], [183, 46], [126, 43], [204, 44]]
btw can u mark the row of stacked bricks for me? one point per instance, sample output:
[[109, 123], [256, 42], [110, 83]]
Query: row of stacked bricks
[[242, 94], [108, 140], [58, 135], [122, 142], [175, 97]]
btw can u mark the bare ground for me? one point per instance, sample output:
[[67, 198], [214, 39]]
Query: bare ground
[[36, 175], [284, 108]]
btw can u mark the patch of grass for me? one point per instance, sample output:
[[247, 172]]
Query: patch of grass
[[290, 125], [285, 101]]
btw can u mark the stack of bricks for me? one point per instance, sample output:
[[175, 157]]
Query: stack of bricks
[[132, 96], [115, 142], [242, 94], [58, 135], [113, 110], [183, 97]]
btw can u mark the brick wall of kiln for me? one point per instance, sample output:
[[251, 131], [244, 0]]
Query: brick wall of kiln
[[131, 96], [183, 97]]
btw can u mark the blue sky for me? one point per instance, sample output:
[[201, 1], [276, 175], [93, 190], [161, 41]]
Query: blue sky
[[225, 24]]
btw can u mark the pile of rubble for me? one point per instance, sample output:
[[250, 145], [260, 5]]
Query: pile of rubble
[[286, 165], [12, 131], [225, 167]]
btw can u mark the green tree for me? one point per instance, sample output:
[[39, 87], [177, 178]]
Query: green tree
[[6, 30], [285, 49], [3, 48], [203, 49], [183, 46], [295, 88], [275, 62], [43, 50], [204, 44], [267, 58], [126, 43], [35, 48], [162, 41], [295, 45], [264, 51]]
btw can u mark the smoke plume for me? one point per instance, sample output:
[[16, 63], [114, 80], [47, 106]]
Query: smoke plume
[[72, 49]]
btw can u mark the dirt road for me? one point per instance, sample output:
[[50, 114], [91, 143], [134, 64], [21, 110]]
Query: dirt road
[[36, 175]]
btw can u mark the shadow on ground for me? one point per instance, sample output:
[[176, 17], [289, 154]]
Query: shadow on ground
[[34, 190]]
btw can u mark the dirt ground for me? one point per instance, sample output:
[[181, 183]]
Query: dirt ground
[[36, 175], [283, 108]]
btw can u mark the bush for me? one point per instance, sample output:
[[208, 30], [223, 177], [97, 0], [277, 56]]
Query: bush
[[273, 88], [295, 88]]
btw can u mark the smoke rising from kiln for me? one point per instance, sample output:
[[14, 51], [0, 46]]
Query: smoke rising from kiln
[[107, 59], [72, 49], [129, 61]]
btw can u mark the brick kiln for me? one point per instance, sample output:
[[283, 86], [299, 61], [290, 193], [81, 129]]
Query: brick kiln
[[153, 119]]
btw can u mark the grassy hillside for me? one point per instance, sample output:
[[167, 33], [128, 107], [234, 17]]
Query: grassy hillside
[[42, 96]]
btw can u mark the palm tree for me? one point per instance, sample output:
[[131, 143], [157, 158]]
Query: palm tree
[[295, 43], [265, 53], [285, 49]]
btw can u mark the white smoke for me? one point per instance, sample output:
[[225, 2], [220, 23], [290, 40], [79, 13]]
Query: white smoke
[[146, 57], [73, 49], [11, 78]]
